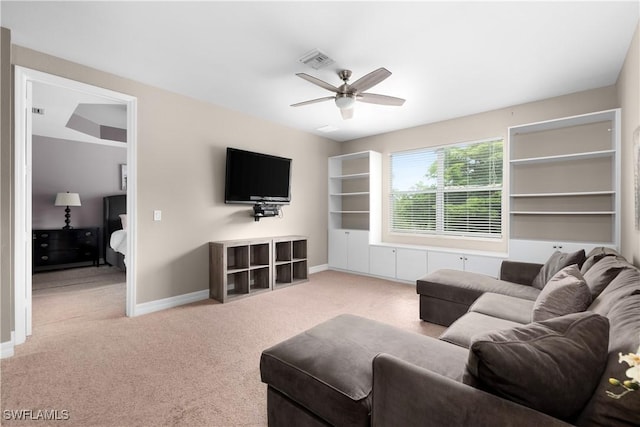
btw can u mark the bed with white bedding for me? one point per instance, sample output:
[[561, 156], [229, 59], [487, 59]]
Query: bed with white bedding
[[114, 230]]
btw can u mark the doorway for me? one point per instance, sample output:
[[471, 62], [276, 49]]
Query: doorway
[[25, 79]]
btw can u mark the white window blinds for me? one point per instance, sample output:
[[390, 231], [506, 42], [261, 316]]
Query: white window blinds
[[448, 190]]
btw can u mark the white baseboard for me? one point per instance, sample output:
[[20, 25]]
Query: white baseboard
[[163, 304], [318, 268], [6, 348]]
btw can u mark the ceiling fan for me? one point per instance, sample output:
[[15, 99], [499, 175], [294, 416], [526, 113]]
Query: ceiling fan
[[347, 94]]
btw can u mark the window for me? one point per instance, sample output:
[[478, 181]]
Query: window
[[450, 190]]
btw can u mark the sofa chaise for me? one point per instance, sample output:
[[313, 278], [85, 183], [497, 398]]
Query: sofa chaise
[[513, 357]]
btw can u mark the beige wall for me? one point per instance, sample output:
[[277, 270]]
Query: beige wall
[[6, 189], [472, 128], [181, 170], [181, 163], [629, 95]]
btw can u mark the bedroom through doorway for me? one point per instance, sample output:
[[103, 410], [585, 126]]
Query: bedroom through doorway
[[79, 145]]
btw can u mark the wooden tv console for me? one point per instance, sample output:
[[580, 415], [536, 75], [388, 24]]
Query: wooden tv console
[[239, 268]]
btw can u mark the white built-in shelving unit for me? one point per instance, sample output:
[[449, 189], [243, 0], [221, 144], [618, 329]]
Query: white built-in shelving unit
[[564, 184], [355, 207]]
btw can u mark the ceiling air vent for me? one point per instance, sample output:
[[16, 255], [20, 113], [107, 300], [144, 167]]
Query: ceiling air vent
[[316, 59], [36, 110]]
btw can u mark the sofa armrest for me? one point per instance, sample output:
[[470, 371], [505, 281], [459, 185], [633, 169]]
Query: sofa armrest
[[522, 273], [407, 395]]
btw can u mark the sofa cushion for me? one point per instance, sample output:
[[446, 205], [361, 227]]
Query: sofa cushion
[[328, 368], [595, 255], [624, 337], [556, 262], [625, 283], [552, 366], [465, 287], [565, 293], [602, 273], [465, 328], [504, 307]]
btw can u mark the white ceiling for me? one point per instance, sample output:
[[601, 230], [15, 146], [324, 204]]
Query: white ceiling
[[448, 59], [59, 104]]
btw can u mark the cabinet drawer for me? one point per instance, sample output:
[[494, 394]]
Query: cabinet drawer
[[58, 246], [54, 257]]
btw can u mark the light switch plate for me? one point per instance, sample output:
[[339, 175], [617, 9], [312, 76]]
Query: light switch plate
[[157, 215]]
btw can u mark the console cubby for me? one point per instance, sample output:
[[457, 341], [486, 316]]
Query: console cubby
[[291, 261], [259, 279], [237, 257], [259, 254], [237, 283], [245, 267], [283, 251]]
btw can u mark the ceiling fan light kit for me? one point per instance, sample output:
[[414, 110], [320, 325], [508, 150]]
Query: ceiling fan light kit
[[347, 94], [344, 100]]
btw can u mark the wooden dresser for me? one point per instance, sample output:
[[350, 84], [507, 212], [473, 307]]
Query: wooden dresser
[[59, 248]]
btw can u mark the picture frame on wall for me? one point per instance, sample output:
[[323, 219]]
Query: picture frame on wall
[[123, 176]]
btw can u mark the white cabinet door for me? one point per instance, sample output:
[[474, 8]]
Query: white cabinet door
[[448, 260], [382, 261], [411, 264], [539, 251], [460, 261], [338, 242], [483, 265], [358, 251]]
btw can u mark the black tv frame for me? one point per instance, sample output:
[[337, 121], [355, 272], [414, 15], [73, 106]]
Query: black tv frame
[[263, 206]]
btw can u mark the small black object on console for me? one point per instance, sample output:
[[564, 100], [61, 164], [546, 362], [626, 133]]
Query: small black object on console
[[261, 210]]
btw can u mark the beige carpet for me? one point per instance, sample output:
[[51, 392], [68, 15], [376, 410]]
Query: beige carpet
[[195, 365]]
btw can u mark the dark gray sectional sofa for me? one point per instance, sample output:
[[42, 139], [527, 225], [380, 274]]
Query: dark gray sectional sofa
[[493, 366]]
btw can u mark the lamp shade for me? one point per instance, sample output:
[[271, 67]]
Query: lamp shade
[[67, 199]]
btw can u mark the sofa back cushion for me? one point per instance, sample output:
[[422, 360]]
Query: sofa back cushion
[[551, 366], [602, 273], [624, 337], [595, 255], [556, 262], [624, 284], [565, 293]]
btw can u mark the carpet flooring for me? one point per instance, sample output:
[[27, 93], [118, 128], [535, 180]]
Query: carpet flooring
[[194, 365]]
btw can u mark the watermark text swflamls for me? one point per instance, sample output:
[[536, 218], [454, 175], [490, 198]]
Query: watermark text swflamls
[[35, 414]]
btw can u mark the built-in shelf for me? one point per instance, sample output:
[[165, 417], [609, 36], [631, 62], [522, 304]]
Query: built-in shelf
[[356, 193], [349, 212], [570, 194], [562, 213], [355, 209], [565, 157], [565, 180], [352, 176]]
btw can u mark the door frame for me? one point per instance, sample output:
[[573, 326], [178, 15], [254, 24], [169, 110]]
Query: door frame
[[23, 241]]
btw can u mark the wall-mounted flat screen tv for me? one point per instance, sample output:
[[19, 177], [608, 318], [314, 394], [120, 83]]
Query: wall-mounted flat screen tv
[[256, 178]]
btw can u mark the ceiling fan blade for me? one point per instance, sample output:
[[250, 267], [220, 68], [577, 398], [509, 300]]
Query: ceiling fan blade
[[370, 80], [312, 101], [373, 98], [318, 82], [347, 113]]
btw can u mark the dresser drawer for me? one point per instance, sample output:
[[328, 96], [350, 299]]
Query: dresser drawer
[[58, 247]]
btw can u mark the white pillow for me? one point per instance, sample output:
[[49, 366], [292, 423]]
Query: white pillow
[[123, 220]]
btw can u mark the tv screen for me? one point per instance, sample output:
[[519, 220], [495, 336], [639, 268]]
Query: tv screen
[[256, 178]]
